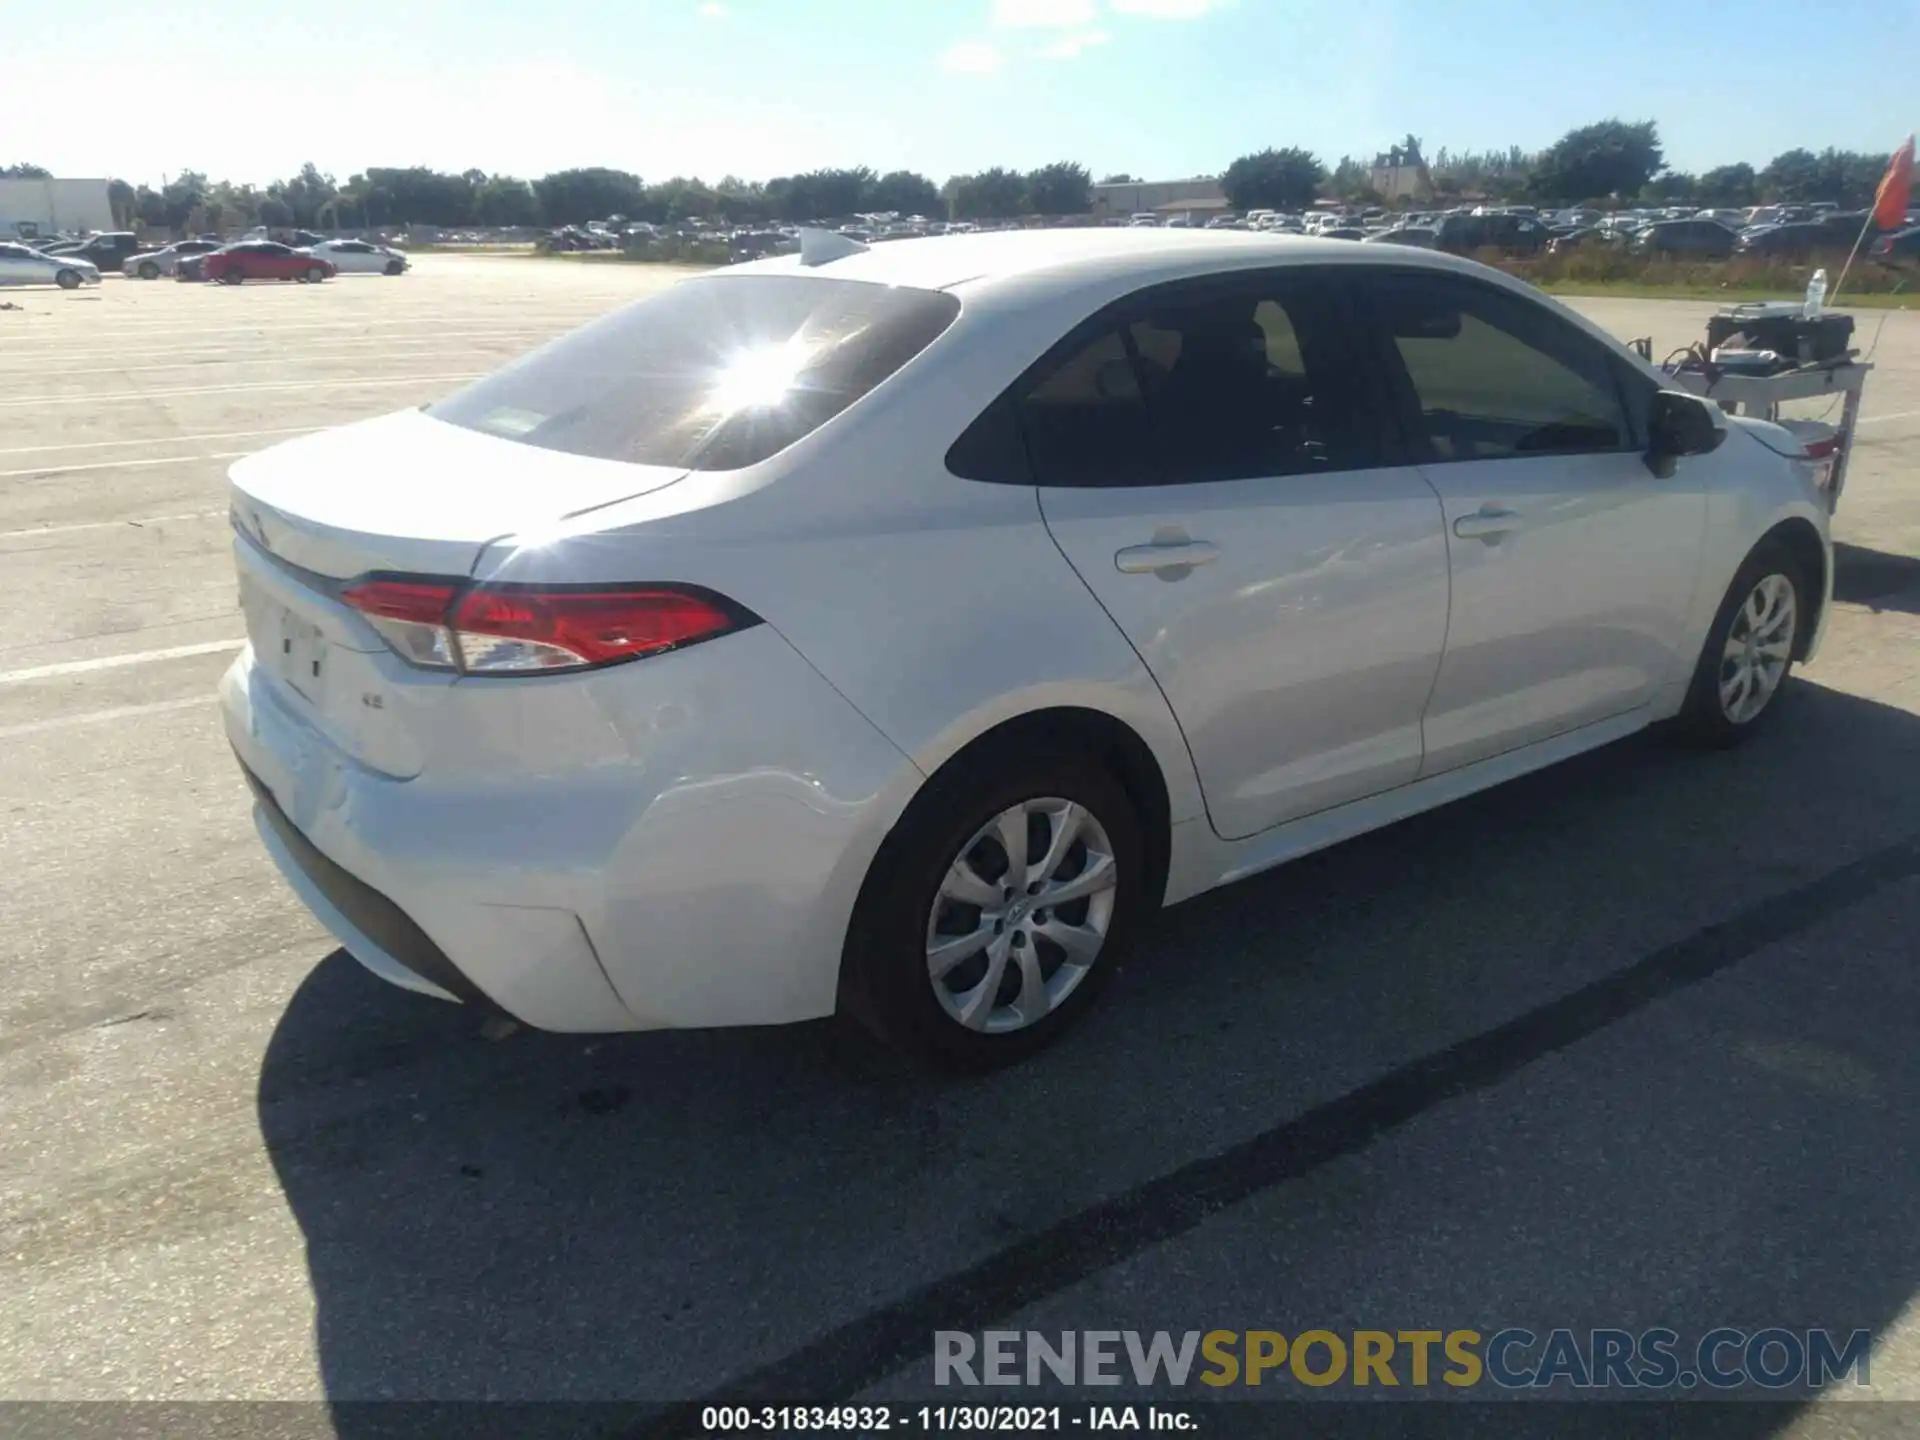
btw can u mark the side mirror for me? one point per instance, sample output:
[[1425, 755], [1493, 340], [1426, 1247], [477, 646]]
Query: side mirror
[[1680, 425]]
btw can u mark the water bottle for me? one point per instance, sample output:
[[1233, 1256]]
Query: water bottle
[[1816, 294]]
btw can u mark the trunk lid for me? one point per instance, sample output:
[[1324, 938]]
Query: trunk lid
[[404, 493], [410, 493]]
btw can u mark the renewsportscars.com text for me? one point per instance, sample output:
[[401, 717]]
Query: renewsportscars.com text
[[1773, 1358]]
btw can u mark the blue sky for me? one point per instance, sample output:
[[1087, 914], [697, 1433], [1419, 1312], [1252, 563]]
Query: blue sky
[[763, 87]]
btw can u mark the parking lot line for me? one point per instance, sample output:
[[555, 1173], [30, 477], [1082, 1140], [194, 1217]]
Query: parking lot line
[[38, 530], [118, 464], [162, 440], [95, 717], [114, 662], [352, 354], [344, 383]]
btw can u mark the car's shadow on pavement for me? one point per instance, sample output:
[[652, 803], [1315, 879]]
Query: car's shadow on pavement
[[1628, 1043]]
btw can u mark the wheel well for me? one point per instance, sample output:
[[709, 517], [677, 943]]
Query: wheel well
[[1118, 748], [1802, 541]]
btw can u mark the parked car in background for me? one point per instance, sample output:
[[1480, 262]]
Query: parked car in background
[[23, 265], [1511, 234], [1343, 232], [360, 257], [1699, 239], [152, 264], [109, 249], [1424, 236], [1798, 240], [1589, 238], [264, 260], [1899, 247]]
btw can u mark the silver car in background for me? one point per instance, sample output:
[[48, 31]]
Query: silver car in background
[[23, 265]]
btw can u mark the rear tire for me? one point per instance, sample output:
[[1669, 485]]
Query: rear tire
[[230, 277], [67, 279], [1051, 960], [1749, 651]]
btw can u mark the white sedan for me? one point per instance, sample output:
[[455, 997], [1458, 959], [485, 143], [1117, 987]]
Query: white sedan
[[897, 630], [360, 257], [152, 264], [23, 265]]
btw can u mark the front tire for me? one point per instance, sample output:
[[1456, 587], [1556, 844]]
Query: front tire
[[67, 279], [315, 275], [230, 277], [996, 909], [149, 270], [395, 267], [1749, 651]]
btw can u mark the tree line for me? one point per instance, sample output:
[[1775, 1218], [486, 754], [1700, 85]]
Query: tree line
[[1608, 162], [395, 197]]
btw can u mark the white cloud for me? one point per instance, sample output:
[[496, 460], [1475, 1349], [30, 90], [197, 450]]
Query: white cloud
[[1070, 45], [971, 57], [1043, 14], [713, 10], [1169, 9]]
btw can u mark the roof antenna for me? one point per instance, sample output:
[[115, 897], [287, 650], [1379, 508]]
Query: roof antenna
[[819, 247]]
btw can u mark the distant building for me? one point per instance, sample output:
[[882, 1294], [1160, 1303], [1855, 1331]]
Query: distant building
[[45, 207], [1401, 174], [1202, 193]]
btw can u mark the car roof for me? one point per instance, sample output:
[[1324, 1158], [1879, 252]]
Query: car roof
[[986, 261]]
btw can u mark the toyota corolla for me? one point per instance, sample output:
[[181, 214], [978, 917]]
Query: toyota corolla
[[895, 630]]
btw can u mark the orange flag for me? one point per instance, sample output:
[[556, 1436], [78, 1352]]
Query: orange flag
[[1896, 189]]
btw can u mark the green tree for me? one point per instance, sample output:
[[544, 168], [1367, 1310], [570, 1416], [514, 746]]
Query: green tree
[[1792, 175], [184, 194], [1123, 178], [821, 194], [740, 200], [1611, 157], [996, 194], [573, 197], [1347, 179], [505, 200], [1062, 188], [124, 201], [275, 213], [1273, 180], [1671, 188], [1729, 185], [311, 196], [1846, 177], [906, 192], [25, 172]]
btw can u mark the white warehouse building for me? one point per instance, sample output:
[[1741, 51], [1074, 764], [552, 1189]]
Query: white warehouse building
[[44, 207]]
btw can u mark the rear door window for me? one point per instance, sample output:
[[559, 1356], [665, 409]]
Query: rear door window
[[712, 374]]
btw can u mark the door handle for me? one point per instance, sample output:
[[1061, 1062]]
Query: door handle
[[1488, 524], [1157, 559]]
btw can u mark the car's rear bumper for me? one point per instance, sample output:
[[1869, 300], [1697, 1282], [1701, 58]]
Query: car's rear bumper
[[636, 848]]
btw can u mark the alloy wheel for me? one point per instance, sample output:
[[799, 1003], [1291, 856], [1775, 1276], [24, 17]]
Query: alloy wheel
[[1758, 649], [1021, 915]]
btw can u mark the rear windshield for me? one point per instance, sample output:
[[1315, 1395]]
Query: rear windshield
[[710, 374]]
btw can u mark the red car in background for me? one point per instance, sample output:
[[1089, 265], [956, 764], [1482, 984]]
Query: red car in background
[[264, 260]]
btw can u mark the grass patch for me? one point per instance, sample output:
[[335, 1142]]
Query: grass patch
[[1620, 273], [1633, 290]]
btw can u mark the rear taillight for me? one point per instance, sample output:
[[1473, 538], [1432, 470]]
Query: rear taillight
[[1822, 453], [531, 629]]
